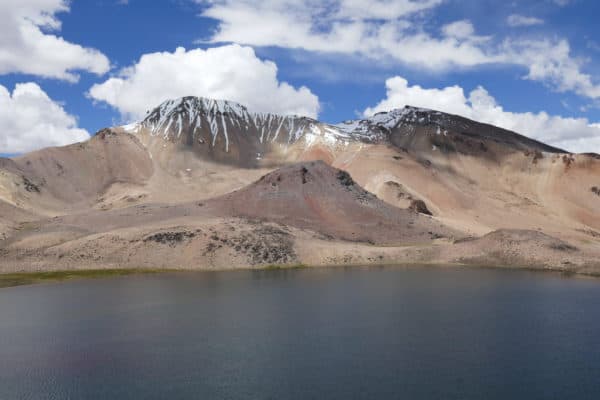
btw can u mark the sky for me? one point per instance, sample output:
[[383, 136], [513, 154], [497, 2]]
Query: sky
[[71, 68]]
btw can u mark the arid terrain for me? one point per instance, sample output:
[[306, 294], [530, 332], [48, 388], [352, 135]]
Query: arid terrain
[[204, 184]]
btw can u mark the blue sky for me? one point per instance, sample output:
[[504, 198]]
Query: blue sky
[[531, 66]]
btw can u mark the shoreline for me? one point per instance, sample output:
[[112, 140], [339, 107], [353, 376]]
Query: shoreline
[[15, 279]]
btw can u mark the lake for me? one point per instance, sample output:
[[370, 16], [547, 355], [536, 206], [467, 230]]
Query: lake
[[339, 333]]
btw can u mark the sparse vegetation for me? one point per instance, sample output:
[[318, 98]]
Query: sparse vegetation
[[590, 232], [29, 278], [345, 178], [595, 190], [104, 133], [30, 186], [170, 238], [563, 247], [277, 267], [568, 159], [264, 245]]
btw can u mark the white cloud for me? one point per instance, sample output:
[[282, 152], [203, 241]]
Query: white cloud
[[551, 62], [574, 134], [26, 46], [582, 145], [522, 20], [361, 27], [31, 120], [459, 29], [399, 94], [348, 27], [229, 72], [383, 9]]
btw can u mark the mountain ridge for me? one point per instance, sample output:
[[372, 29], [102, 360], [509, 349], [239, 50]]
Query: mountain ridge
[[210, 121]]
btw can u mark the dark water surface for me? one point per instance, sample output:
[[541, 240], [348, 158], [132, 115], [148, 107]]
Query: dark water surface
[[304, 334]]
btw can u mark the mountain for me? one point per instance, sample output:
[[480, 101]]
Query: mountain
[[419, 128], [314, 195], [279, 218], [72, 177], [399, 186], [227, 131]]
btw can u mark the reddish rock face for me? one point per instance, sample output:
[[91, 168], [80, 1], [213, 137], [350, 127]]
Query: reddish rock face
[[316, 196]]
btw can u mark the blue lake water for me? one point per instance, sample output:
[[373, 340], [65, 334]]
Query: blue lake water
[[355, 333]]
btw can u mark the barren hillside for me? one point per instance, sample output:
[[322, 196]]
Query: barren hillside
[[195, 164]]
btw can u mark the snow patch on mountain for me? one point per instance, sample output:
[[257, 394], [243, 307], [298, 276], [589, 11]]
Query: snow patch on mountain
[[378, 126], [192, 115], [221, 119]]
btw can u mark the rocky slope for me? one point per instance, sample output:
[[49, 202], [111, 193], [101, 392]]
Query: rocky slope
[[64, 179], [269, 221], [227, 131], [315, 196], [419, 128]]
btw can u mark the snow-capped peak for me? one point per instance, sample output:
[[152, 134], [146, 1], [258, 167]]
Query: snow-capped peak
[[202, 121], [381, 123], [210, 121], [205, 119], [174, 113]]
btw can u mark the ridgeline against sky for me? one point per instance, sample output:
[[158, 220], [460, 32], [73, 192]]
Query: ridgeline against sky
[[69, 68]]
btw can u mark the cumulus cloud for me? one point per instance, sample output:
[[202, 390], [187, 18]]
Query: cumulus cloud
[[361, 27], [31, 120], [550, 62], [228, 72], [450, 99], [26, 46], [522, 20], [573, 134]]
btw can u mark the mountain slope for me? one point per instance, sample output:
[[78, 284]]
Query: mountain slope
[[272, 220], [421, 129], [194, 163], [58, 179], [227, 132], [307, 213], [316, 196]]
